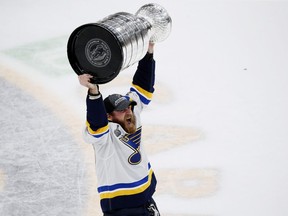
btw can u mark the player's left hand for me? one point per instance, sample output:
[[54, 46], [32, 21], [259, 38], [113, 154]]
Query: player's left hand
[[151, 47]]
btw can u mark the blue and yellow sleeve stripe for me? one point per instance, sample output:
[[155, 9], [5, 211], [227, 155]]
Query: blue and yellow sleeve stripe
[[145, 96], [99, 132]]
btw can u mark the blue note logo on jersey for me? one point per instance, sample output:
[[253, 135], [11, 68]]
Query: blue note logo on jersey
[[133, 142]]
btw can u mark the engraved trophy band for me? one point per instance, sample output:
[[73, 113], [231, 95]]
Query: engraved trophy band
[[106, 47]]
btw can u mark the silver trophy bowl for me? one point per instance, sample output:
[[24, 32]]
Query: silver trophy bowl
[[106, 47], [159, 19]]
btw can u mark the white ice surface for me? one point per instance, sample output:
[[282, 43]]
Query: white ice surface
[[224, 68]]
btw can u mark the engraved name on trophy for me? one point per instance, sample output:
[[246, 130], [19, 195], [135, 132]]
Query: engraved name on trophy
[[105, 48]]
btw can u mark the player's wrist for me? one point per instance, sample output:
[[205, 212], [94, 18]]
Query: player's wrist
[[94, 94], [151, 47], [148, 56], [94, 91]]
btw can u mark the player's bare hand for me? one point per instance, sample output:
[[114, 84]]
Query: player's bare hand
[[84, 80], [151, 47]]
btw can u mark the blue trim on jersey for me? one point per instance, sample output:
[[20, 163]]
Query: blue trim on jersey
[[100, 135], [123, 185], [111, 188], [143, 99]]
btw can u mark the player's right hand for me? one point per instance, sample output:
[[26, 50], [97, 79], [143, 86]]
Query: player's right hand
[[84, 80]]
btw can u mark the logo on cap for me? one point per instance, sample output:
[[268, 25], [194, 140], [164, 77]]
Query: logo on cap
[[119, 100]]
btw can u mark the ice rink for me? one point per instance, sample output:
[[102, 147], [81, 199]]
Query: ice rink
[[216, 131]]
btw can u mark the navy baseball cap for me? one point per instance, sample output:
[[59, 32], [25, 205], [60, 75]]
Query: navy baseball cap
[[117, 102]]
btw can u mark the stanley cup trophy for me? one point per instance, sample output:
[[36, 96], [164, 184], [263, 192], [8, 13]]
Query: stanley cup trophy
[[105, 48]]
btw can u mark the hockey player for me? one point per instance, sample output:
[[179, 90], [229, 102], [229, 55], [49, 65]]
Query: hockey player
[[126, 181]]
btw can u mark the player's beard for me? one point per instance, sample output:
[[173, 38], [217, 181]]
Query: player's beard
[[129, 123]]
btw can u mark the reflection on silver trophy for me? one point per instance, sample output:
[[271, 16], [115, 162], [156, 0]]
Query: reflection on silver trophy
[[116, 42]]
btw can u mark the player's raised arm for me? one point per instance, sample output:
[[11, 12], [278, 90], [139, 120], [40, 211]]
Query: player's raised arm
[[96, 114], [144, 77]]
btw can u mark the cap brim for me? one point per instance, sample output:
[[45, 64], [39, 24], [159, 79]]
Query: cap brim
[[124, 105]]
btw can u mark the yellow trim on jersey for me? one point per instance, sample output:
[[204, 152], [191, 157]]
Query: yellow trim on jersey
[[145, 93], [123, 192], [101, 130]]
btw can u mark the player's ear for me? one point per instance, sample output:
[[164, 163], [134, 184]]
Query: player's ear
[[109, 116]]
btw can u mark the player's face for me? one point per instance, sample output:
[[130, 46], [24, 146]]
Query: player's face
[[125, 118]]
